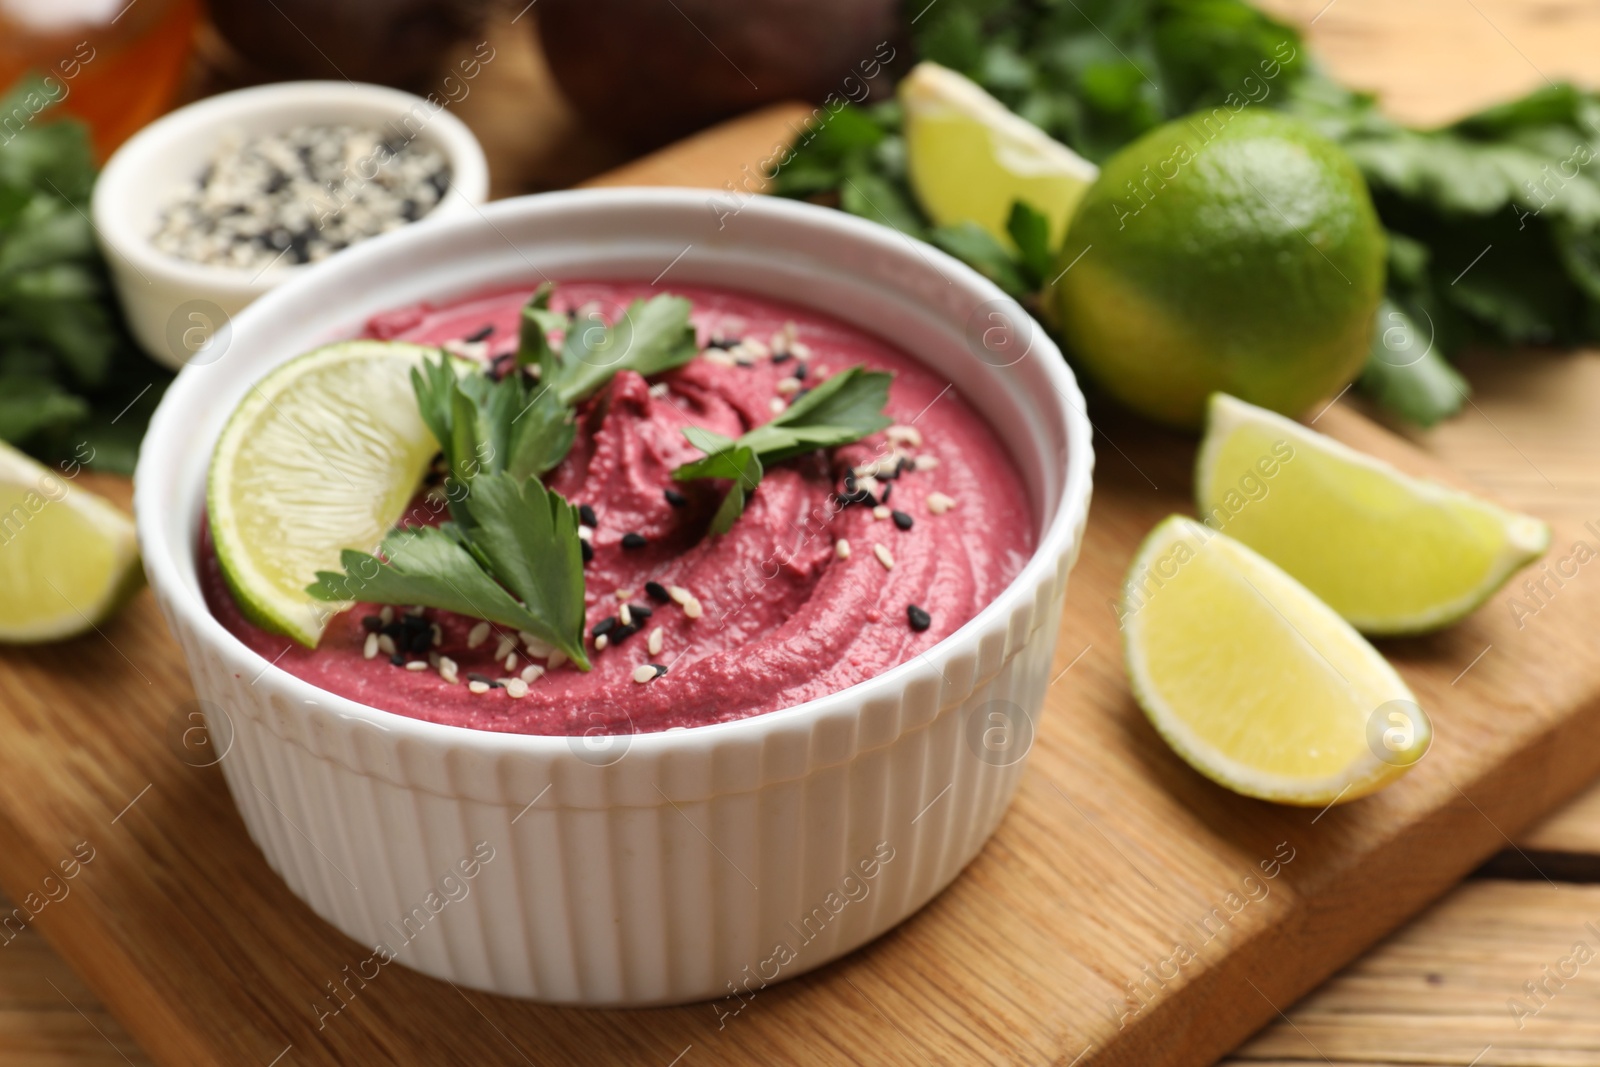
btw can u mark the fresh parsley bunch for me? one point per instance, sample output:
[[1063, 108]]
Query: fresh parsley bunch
[[71, 380]]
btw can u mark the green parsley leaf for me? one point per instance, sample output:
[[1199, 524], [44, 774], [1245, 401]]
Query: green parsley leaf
[[650, 337], [840, 411], [528, 537], [1030, 229], [425, 565]]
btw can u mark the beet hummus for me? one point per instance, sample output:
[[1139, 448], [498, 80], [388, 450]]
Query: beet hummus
[[804, 596]]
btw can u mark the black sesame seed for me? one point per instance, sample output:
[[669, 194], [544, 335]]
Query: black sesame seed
[[622, 633], [658, 592], [587, 516], [800, 372], [850, 481], [394, 629], [901, 519], [723, 342], [920, 620], [903, 465], [398, 659], [371, 623], [474, 676], [641, 611], [632, 540], [783, 357], [481, 333], [661, 669], [796, 398], [884, 499], [675, 498], [604, 626], [420, 641], [588, 551]]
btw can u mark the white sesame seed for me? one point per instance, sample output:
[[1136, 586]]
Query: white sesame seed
[[438, 634], [369, 648], [869, 483], [756, 349], [535, 648], [926, 463], [433, 660], [447, 670], [478, 635], [477, 688], [625, 615], [601, 642], [799, 350], [883, 557], [515, 688], [779, 343], [776, 405], [585, 534], [557, 658], [938, 503], [717, 356], [387, 615], [659, 390], [531, 673], [505, 647], [417, 665], [788, 386], [692, 609], [624, 594], [880, 512], [510, 662], [657, 638], [679, 594], [415, 609], [901, 434], [644, 672], [386, 645], [841, 548]]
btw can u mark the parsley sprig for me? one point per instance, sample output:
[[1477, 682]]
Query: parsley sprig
[[510, 552], [840, 411]]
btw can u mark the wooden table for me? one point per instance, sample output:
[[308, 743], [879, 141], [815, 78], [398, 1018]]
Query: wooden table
[[1445, 989]]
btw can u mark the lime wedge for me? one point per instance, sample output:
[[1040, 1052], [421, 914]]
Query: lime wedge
[[323, 454], [1391, 553], [969, 158], [68, 558], [1255, 682]]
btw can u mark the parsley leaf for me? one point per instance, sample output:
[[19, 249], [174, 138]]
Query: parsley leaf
[[425, 565], [651, 336], [840, 411]]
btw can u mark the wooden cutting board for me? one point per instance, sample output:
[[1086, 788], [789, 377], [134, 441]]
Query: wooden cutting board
[[1122, 913]]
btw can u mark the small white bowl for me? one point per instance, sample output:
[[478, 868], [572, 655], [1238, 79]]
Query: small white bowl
[[172, 304], [650, 868]]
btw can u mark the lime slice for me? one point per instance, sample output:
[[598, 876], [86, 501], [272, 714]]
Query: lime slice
[[1255, 682], [969, 158], [68, 558], [322, 455], [1391, 553]]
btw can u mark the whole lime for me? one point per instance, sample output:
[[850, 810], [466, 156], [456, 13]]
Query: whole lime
[[1233, 252]]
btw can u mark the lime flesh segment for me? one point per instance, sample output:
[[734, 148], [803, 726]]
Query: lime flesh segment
[[1254, 681], [1391, 553], [969, 158], [68, 558], [322, 455]]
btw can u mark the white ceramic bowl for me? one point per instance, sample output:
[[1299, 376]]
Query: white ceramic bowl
[[160, 293], [659, 867]]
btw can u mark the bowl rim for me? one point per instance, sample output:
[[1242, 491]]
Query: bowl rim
[[300, 101], [1056, 546]]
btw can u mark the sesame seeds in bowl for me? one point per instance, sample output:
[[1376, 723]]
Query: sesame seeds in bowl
[[218, 202]]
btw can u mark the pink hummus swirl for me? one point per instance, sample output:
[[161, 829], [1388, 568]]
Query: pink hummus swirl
[[787, 615]]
